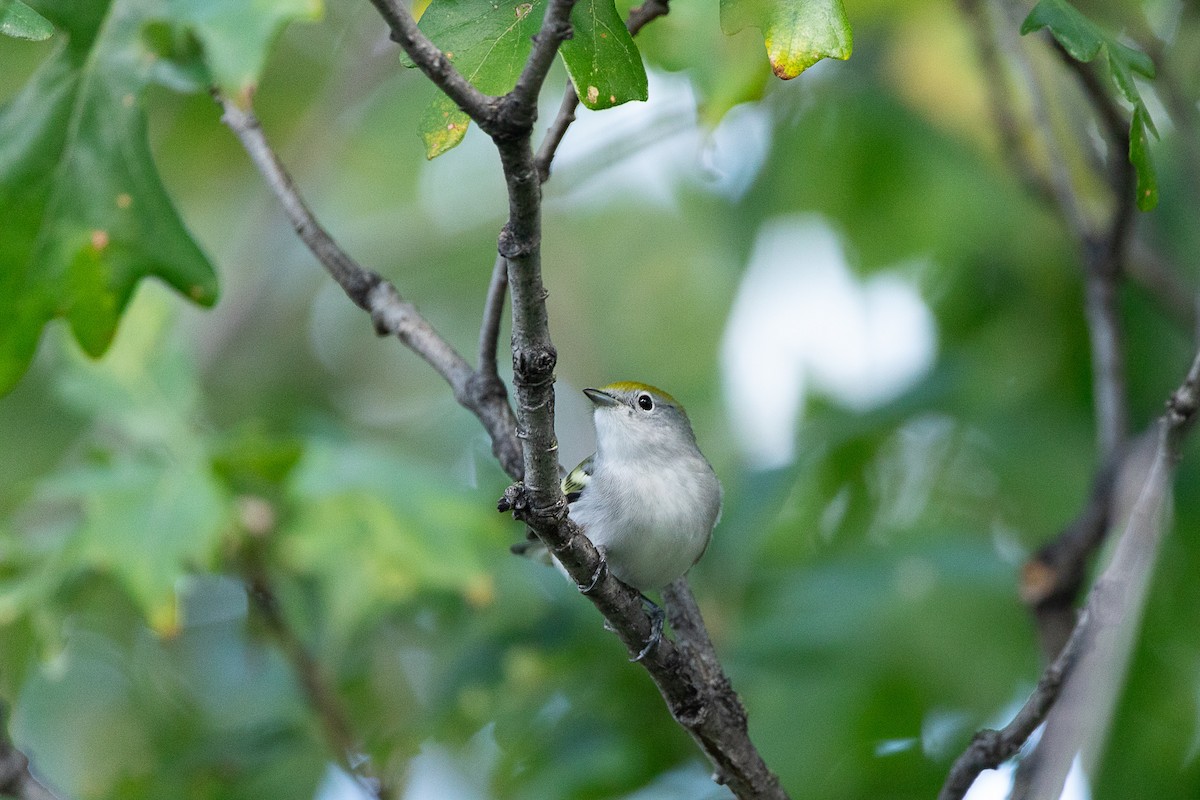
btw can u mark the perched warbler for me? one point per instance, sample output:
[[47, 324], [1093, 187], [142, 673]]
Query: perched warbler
[[648, 498]]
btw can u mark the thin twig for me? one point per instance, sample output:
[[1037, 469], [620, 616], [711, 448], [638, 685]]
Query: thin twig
[[1051, 580], [391, 313], [493, 309], [638, 18], [1164, 282], [1107, 602], [990, 748], [258, 521], [321, 696], [556, 131], [1102, 254], [1003, 107]]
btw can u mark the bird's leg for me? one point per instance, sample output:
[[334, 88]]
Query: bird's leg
[[657, 616]]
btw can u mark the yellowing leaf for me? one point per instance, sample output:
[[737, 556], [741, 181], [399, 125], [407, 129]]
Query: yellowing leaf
[[798, 33]]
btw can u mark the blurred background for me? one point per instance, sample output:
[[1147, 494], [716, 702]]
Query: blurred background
[[877, 331]]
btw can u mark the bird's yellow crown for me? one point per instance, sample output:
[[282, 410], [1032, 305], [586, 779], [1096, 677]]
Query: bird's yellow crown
[[634, 386]]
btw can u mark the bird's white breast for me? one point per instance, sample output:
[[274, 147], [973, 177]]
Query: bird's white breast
[[653, 520]]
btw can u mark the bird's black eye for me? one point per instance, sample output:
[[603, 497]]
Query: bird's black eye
[[645, 402]]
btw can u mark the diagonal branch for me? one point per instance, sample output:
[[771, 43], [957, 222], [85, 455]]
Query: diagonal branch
[[391, 313], [1114, 598], [702, 702], [258, 522], [434, 63]]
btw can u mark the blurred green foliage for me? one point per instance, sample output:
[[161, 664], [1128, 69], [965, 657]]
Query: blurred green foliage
[[863, 597]]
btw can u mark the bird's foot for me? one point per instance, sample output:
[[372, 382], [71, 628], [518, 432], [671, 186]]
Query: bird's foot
[[657, 617], [515, 499], [589, 587]]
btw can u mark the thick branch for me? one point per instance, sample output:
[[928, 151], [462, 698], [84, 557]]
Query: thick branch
[[703, 704], [1109, 603], [434, 63], [391, 313], [689, 677]]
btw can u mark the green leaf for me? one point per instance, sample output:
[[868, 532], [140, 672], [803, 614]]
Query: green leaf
[[22, 22], [1075, 32], [86, 216], [798, 33], [1085, 40], [146, 518], [1139, 156], [237, 36], [601, 58], [364, 518], [488, 42], [143, 504]]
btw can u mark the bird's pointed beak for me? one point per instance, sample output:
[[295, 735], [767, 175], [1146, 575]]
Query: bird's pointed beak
[[600, 398]]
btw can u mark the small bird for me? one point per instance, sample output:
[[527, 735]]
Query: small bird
[[647, 499]]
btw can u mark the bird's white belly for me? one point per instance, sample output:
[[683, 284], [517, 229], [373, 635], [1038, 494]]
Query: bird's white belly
[[651, 530]]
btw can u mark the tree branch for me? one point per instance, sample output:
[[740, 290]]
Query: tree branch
[[1103, 256], [434, 63], [391, 313], [556, 131], [321, 695], [1051, 580], [998, 47], [701, 701], [696, 690], [520, 105], [705, 705], [16, 780], [1112, 601], [493, 309]]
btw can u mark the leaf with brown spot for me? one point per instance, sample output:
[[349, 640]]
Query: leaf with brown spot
[[72, 141]]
